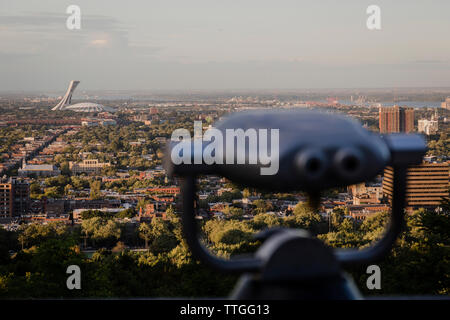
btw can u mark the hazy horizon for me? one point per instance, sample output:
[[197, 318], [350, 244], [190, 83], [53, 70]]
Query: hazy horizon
[[222, 46]]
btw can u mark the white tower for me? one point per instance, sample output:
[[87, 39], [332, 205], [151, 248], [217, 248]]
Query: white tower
[[67, 99]]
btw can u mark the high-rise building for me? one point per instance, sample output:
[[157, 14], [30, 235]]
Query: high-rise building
[[6, 200], [14, 198], [21, 197], [446, 104], [426, 185], [396, 119]]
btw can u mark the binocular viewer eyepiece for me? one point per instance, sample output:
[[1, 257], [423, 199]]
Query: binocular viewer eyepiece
[[311, 151]]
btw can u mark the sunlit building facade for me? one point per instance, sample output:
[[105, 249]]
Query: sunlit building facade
[[427, 184], [396, 119]]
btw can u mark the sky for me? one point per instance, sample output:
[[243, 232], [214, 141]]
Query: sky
[[220, 45]]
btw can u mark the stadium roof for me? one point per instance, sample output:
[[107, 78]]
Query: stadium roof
[[89, 107], [65, 103]]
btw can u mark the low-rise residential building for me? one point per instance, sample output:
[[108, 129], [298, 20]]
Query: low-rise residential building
[[88, 166], [45, 218], [40, 170], [361, 212], [428, 127], [166, 190], [366, 193]]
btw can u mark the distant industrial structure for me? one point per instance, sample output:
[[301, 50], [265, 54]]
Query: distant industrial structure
[[396, 119], [65, 103]]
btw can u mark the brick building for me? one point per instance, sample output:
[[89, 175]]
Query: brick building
[[396, 119], [14, 198]]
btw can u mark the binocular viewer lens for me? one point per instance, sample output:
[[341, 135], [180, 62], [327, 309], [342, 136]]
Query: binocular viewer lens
[[312, 164]]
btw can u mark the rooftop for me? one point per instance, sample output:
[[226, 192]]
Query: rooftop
[[38, 167]]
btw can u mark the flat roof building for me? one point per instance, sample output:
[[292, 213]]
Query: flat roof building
[[6, 200], [396, 119], [426, 185], [88, 166], [429, 127], [40, 170], [14, 198]]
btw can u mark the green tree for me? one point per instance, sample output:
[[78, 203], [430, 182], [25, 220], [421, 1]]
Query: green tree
[[101, 230], [65, 168], [95, 189], [262, 206], [163, 240], [337, 216], [53, 192], [233, 212], [127, 213], [305, 218], [35, 233], [145, 233]]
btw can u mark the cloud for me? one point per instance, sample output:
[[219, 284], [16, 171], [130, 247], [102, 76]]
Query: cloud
[[51, 19], [99, 42], [296, 59], [41, 19], [41, 33], [15, 56], [429, 61], [144, 50]]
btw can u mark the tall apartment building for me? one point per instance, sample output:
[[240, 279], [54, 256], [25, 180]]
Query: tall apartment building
[[446, 104], [396, 119], [87, 166], [6, 200], [426, 185], [14, 198]]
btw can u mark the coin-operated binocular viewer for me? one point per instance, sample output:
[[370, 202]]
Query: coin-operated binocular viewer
[[281, 151]]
